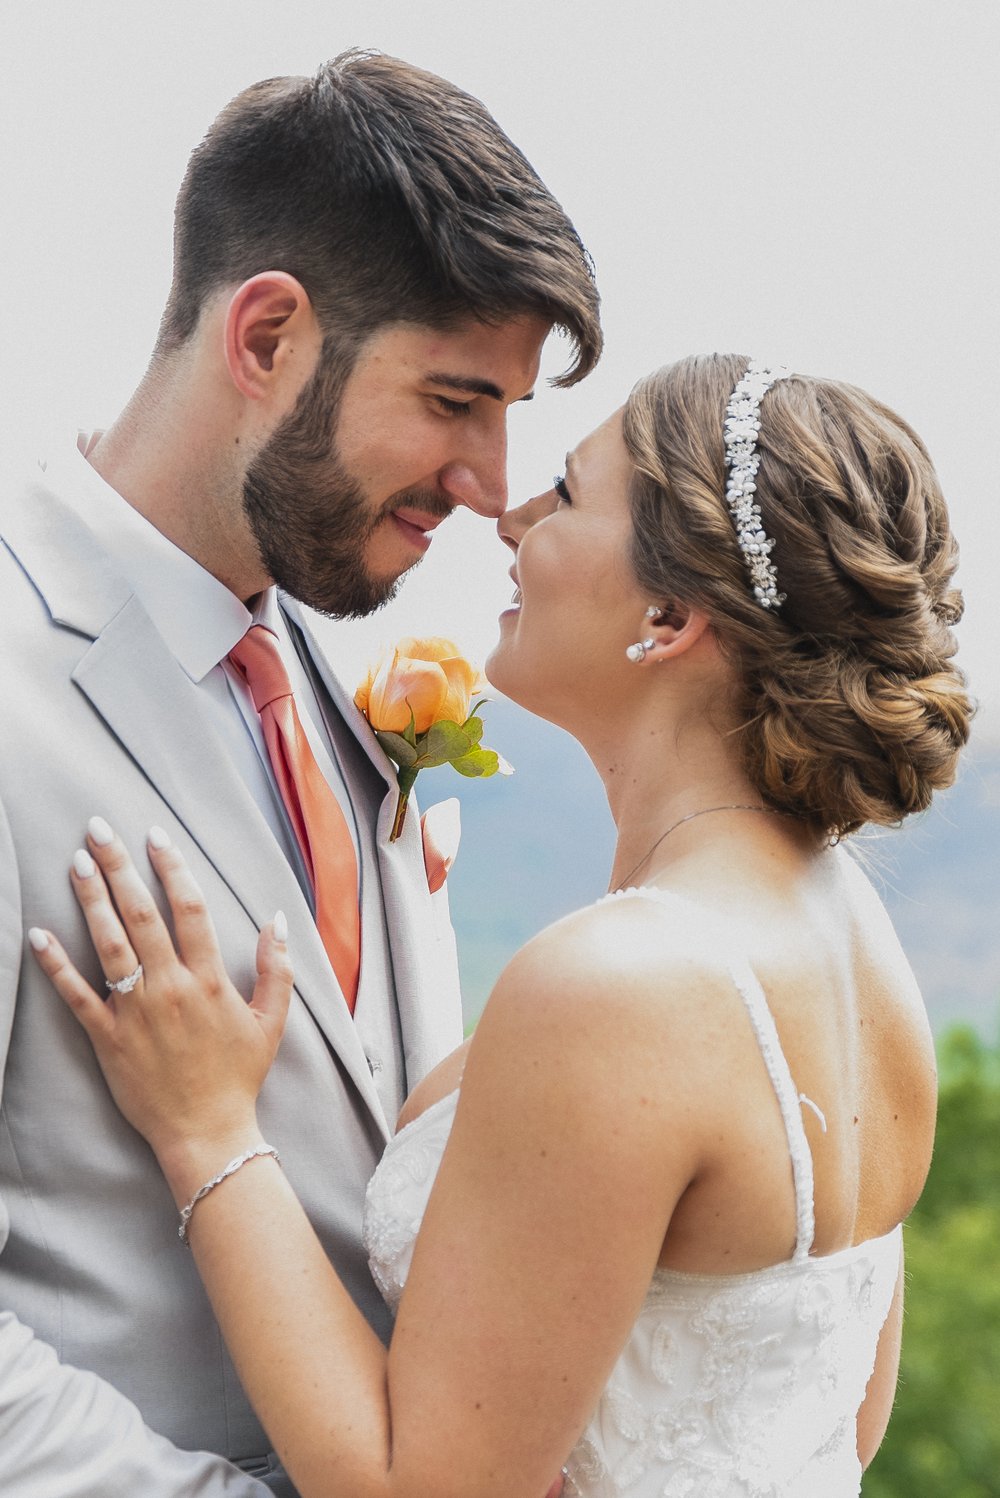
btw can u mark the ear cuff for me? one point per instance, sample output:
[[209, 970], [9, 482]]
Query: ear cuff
[[641, 648]]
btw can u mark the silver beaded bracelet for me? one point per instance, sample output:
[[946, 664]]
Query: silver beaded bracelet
[[230, 1170]]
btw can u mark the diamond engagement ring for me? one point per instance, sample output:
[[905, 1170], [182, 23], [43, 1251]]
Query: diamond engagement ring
[[126, 984]]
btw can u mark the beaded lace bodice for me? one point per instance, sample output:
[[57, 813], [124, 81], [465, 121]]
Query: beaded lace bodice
[[730, 1386]]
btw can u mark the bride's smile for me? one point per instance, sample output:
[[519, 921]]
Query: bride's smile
[[562, 644]]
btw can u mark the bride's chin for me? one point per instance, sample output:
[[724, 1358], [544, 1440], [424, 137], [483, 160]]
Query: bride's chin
[[510, 674], [493, 668], [502, 673]]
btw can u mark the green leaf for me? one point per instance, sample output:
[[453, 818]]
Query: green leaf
[[410, 731], [474, 728], [397, 748], [478, 763], [406, 777], [441, 743]]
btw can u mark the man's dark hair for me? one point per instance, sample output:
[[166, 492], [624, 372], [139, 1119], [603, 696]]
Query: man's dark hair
[[391, 195]]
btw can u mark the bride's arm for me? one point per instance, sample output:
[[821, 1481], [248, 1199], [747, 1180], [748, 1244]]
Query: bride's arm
[[538, 1243]]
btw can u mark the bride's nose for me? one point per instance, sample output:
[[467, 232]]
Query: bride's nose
[[514, 524]]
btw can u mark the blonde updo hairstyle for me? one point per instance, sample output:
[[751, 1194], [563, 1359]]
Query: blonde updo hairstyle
[[851, 710]]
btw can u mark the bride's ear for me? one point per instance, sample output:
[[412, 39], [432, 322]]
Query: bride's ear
[[672, 628]]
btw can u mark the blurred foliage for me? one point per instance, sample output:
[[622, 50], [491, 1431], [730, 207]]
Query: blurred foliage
[[944, 1436]]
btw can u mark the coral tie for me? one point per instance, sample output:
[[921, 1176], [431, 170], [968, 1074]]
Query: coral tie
[[315, 813]]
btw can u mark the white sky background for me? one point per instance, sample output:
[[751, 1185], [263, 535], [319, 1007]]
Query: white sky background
[[812, 182]]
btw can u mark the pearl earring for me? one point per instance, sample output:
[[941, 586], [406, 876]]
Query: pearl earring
[[639, 650]]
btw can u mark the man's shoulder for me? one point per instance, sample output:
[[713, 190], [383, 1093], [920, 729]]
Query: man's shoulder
[[19, 477], [33, 503], [24, 521], [47, 550]]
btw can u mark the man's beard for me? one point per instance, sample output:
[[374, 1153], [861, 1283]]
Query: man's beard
[[309, 514]]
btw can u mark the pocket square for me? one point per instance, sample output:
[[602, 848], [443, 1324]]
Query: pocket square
[[441, 826]]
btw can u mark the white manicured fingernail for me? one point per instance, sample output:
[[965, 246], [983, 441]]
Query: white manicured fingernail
[[38, 938], [280, 926], [100, 831], [83, 865], [157, 838]]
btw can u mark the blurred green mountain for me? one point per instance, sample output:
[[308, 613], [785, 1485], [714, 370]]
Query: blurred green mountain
[[539, 844]]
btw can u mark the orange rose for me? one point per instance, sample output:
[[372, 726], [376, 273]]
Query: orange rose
[[419, 705], [426, 677]]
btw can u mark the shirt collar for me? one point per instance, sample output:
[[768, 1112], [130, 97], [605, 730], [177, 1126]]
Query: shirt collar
[[199, 618]]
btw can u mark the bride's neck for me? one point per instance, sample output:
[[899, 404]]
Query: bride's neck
[[660, 771]]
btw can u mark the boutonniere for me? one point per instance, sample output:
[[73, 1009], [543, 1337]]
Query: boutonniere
[[418, 700]]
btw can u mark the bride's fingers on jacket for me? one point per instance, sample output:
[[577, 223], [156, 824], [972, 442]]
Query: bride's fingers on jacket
[[273, 990], [144, 925], [111, 941], [193, 926], [89, 1008]]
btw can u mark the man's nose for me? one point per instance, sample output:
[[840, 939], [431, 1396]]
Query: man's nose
[[481, 484]]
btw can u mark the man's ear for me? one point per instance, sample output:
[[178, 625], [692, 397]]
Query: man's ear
[[271, 335], [673, 629]]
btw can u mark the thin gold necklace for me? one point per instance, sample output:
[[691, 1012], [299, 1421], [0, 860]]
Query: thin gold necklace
[[705, 811]]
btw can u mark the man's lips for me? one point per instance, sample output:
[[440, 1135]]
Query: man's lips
[[416, 525]]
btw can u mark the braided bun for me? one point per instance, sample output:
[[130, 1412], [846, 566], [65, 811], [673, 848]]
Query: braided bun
[[851, 710]]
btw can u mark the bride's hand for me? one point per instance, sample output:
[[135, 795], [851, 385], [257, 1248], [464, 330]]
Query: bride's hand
[[182, 1052]]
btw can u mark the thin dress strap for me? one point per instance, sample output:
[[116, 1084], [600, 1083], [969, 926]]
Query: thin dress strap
[[755, 1002], [762, 1019]]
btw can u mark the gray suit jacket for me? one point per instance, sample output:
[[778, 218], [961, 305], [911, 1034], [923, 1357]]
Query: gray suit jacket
[[97, 717]]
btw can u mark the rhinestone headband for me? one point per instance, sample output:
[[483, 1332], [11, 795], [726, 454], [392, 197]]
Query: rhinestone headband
[[740, 432]]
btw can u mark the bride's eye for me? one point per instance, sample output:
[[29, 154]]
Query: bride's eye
[[559, 485]]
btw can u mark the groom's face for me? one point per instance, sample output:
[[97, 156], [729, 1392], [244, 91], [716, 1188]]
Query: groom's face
[[343, 497]]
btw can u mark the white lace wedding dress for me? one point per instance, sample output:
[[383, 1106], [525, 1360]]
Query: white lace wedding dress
[[730, 1386]]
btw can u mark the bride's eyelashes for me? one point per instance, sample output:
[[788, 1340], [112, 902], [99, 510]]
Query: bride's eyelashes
[[559, 485]]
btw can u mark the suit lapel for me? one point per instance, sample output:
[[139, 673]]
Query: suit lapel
[[178, 750], [154, 711], [427, 990]]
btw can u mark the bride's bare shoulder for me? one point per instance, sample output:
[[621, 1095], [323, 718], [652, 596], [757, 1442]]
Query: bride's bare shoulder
[[613, 1022], [652, 957], [612, 972], [634, 931], [616, 954]]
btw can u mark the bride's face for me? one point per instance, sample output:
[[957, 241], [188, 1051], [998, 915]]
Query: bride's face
[[562, 644]]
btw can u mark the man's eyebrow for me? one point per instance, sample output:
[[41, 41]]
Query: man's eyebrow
[[469, 385]]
